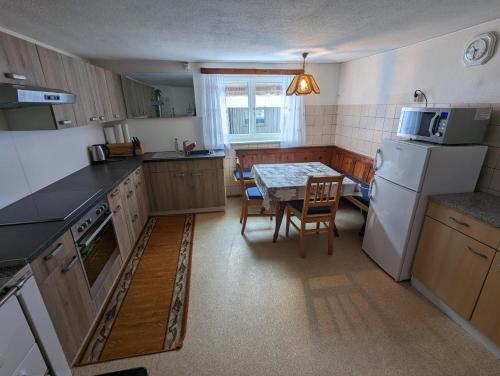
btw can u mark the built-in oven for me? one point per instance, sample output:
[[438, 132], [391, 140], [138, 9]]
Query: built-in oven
[[448, 125], [96, 243]]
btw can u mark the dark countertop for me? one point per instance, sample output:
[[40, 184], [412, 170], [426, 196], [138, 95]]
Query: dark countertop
[[482, 206], [21, 244], [169, 156]]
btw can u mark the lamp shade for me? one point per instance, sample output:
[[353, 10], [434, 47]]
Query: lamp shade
[[303, 84]]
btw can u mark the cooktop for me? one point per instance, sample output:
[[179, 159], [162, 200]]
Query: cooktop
[[47, 206]]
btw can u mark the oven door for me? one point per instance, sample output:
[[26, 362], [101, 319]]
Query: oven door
[[420, 124], [98, 250]]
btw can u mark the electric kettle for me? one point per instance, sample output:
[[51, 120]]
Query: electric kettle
[[99, 153]]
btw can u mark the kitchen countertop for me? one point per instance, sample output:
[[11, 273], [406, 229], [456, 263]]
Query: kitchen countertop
[[482, 206], [165, 156], [21, 244]]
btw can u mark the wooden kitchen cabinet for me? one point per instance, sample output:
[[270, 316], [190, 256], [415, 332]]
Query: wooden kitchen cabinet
[[132, 209], [104, 97], [114, 85], [452, 265], [53, 70], [120, 219], [60, 277], [80, 83], [20, 58], [486, 316], [141, 196], [138, 98], [186, 185]]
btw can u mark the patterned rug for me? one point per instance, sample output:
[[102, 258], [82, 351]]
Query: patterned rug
[[147, 312]]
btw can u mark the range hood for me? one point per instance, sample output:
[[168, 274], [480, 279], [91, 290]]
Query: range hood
[[15, 96]]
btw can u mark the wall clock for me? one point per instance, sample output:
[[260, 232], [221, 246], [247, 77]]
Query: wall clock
[[480, 49]]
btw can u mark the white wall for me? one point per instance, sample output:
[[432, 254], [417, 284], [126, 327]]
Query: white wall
[[434, 66], [372, 91], [34, 159], [159, 134]]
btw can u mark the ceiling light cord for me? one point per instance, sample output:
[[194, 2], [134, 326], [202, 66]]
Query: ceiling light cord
[[304, 55]]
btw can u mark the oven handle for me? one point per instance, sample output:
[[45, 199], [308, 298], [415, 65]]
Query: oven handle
[[96, 232]]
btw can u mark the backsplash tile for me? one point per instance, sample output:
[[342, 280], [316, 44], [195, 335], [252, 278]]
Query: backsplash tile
[[360, 128]]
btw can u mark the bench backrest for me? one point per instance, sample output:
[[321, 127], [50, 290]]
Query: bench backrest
[[343, 160]]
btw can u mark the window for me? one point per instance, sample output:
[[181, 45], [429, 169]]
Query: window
[[254, 106]]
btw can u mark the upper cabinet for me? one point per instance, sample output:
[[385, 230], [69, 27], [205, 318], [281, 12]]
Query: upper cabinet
[[105, 99], [138, 98], [53, 70], [19, 62], [115, 91]]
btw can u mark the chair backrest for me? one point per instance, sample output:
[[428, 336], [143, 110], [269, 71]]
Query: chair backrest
[[241, 180], [322, 191]]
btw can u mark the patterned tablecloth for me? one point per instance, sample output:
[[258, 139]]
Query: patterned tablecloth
[[287, 181]]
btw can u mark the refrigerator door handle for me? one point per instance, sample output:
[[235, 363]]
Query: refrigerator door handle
[[375, 164]]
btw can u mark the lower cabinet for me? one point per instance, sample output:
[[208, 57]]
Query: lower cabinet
[[120, 219], [452, 265], [186, 185], [60, 277], [486, 316]]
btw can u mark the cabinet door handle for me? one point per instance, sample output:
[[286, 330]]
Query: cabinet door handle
[[127, 181], [130, 193], [118, 208], [72, 263], [115, 192], [196, 173], [55, 252], [116, 116], [101, 117], [94, 118], [181, 174], [465, 224], [65, 122], [135, 218], [15, 76], [477, 253]]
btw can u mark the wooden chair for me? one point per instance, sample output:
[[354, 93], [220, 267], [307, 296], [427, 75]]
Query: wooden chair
[[241, 172], [320, 205], [250, 197]]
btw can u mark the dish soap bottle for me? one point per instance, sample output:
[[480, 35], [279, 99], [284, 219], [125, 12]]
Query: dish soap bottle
[[176, 144]]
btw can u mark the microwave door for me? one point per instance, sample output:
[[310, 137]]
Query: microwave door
[[417, 124]]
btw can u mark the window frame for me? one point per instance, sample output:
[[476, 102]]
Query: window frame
[[252, 136]]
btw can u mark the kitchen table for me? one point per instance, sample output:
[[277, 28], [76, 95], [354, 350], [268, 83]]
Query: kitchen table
[[283, 182]]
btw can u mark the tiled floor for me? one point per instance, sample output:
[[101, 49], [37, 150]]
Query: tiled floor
[[256, 308]]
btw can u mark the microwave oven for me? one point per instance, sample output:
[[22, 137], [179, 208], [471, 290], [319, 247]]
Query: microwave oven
[[451, 126]]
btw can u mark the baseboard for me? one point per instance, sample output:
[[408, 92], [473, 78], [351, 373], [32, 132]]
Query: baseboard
[[466, 325], [189, 211]]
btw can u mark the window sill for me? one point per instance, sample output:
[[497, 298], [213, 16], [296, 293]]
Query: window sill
[[254, 142]]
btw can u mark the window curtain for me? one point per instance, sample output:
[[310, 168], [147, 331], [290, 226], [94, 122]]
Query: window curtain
[[292, 117], [214, 111]]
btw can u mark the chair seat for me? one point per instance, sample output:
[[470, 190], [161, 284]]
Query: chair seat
[[364, 187], [298, 204], [246, 174], [254, 193]]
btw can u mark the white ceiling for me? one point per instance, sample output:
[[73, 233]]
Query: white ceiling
[[246, 30]]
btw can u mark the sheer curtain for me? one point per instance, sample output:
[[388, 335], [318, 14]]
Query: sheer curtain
[[214, 111], [292, 117]]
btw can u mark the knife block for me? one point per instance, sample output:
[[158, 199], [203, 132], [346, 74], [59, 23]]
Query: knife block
[[124, 150]]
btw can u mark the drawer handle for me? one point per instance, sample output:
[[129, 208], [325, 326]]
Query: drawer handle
[[135, 218], [115, 192], [127, 181], [72, 263], [55, 252], [118, 208], [465, 224], [180, 174], [101, 118], [477, 253], [197, 174], [116, 116], [130, 193], [15, 76], [65, 122], [94, 118]]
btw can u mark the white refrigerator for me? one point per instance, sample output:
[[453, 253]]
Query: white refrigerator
[[406, 173]]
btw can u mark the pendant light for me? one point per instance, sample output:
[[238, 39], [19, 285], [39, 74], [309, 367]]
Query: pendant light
[[303, 84]]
